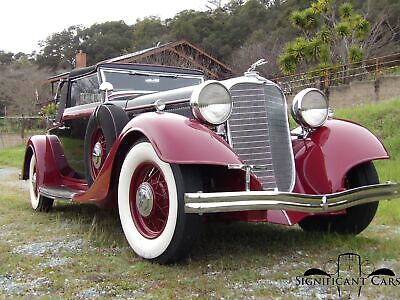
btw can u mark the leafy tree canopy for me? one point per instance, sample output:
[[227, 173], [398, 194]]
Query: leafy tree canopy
[[149, 32], [105, 40], [316, 33], [58, 50]]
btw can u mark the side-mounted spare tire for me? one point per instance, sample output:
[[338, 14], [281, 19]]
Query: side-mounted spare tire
[[105, 125]]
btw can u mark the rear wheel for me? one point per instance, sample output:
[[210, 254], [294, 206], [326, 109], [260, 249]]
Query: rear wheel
[[151, 205], [38, 202], [356, 218]]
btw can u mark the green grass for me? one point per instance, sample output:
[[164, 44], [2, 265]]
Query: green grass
[[230, 260], [383, 120], [12, 157]]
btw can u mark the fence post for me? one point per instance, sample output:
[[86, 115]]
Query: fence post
[[22, 127], [377, 72], [327, 83]]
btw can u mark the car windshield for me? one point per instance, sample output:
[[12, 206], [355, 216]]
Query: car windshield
[[128, 80]]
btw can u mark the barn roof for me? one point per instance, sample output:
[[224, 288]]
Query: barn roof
[[179, 54]]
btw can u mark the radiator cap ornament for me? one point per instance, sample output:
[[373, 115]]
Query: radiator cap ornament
[[252, 69]]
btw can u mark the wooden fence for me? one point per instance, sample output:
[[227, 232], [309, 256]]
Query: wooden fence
[[372, 68]]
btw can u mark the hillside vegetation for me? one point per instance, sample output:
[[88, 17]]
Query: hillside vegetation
[[236, 31]]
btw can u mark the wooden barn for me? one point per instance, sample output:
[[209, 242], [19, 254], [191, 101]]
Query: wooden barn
[[178, 54]]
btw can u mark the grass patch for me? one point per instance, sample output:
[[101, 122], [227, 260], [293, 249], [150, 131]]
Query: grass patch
[[383, 120], [12, 157]]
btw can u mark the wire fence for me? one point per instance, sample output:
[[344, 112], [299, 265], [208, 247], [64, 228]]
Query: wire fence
[[15, 130], [370, 69]]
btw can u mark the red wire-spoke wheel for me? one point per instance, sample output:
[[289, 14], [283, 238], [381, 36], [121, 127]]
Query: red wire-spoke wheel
[[98, 152], [149, 200], [151, 205]]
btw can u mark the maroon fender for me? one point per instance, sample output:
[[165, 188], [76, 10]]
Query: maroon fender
[[323, 160], [176, 139], [179, 140], [53, 169]]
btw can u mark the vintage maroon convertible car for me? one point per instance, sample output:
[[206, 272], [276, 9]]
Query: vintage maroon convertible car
[[170, 149]]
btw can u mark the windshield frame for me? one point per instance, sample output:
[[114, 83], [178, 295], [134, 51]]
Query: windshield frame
[[103, 70]]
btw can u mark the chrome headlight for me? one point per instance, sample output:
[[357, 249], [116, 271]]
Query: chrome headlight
[[310, 108], [211, 103]]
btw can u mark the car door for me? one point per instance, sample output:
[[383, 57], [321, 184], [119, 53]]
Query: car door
[[81, 97]]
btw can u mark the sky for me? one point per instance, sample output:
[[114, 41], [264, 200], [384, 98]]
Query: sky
[[23, 23]]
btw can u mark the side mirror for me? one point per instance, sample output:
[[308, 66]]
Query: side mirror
[[106, 88]]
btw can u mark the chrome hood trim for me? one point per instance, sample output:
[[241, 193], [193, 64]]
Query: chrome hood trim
[[263, 200]]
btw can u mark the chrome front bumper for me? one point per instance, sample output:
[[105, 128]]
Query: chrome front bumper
[[262, 200]]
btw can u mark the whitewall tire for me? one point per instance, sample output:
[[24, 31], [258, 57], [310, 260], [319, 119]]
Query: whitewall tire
[[151, 208], [38, 202]]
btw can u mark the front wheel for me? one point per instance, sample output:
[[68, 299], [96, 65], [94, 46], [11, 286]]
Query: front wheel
[[151, 205], [38, 202], [356, 218]]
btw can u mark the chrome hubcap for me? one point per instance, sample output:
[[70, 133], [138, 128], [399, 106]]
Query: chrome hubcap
[[144, 199], [97, 155]]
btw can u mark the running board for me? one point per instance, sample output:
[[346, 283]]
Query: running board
[[58, 193]]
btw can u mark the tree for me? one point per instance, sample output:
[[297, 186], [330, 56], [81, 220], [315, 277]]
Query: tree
[[6, 57], [214, 4], [330, 34], [148, 32], [384, 37], [252, 51], [105, 40], [23, 88], [222, 30], [58, 50]]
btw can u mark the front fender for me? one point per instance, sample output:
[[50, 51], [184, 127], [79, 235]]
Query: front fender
[[323, 160], [179, 140], [176, 140]]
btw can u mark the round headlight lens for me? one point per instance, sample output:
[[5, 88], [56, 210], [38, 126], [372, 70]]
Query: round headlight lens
[[310, 108], [211, 103]]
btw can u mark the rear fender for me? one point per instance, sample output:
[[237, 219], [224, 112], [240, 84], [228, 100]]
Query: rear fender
[[176, 140], [323, 160], [50, 160]]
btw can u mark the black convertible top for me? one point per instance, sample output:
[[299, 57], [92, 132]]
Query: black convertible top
[[140, 67]]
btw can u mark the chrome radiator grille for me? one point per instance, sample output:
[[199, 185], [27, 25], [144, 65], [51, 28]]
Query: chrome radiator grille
[[259, 133]]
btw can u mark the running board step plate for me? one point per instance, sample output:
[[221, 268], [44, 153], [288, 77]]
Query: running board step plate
[[58, 193]]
